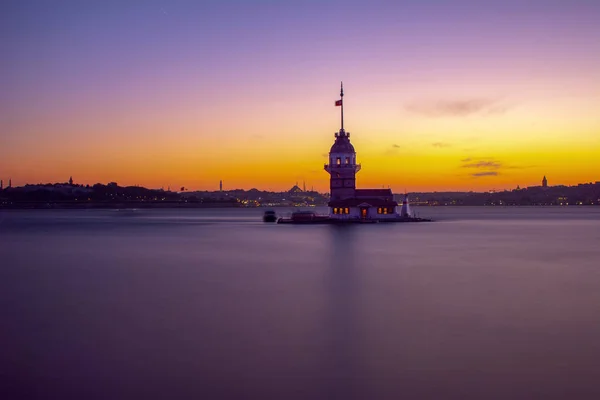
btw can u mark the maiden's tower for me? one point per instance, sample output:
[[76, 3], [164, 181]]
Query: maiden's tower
[[348, 202]]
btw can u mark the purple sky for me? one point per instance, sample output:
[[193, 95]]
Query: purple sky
[[75, 74]]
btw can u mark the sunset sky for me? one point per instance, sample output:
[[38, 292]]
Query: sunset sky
[[440, 95]]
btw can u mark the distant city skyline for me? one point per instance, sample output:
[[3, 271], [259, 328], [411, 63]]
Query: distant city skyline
[[458, 95], [290, 187]]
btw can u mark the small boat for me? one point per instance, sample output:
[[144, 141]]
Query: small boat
[[270, 216]]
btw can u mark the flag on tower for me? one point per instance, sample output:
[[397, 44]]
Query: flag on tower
[[338, 103]]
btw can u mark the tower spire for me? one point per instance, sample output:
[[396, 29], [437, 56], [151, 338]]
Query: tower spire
[[342, 103]]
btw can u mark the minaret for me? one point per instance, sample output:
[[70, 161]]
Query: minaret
[[9, 183], [71, 180], [342, 165], [1, 184], [304, 186], [544, 182], [220, 185]]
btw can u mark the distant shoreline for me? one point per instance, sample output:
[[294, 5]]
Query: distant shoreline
[[113, 196], [128, 205], [183, 205]]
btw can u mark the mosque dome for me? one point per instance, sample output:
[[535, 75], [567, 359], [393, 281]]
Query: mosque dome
[[342, 144]]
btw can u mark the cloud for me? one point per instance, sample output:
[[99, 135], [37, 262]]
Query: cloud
[[441, 144], [487, 164], [457, 107], [393, 150], [485, 173]]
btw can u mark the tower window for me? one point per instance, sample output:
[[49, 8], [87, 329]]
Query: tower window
[[338, 160], [347, 160]]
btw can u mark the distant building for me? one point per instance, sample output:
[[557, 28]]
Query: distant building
[[70, 180], [346, 201], [544, 182], [295, 190]]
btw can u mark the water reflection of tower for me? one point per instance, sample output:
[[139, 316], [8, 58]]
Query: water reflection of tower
[[342, 323]]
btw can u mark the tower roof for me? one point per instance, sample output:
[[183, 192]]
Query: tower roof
[[342, 144]]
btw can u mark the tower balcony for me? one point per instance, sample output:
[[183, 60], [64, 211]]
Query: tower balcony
[[341, 167]]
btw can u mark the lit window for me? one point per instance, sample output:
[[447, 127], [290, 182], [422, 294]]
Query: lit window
[[347, 160], [338, 161], [347, 210]]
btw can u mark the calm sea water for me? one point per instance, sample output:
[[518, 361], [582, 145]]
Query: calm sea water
[[484, 303]]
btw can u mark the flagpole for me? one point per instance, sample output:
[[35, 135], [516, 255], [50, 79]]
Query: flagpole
[[342, 99]]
